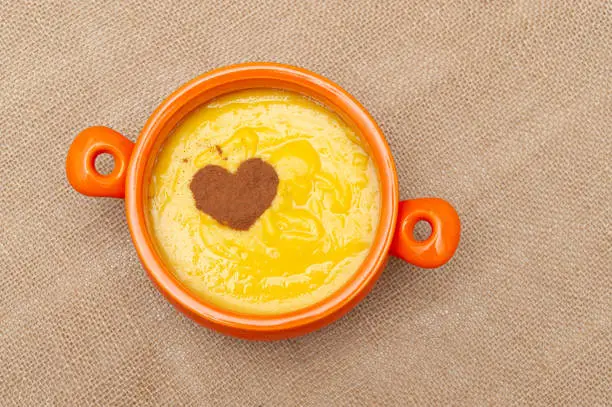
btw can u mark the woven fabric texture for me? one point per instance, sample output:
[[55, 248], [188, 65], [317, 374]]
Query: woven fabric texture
[[504, 108]]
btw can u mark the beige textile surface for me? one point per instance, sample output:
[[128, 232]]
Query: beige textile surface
[[502, 107]]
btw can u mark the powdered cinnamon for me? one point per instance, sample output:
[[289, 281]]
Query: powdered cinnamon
[[235, 200]]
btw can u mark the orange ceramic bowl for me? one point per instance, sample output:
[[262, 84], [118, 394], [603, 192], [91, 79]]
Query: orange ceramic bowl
[[133, 164]]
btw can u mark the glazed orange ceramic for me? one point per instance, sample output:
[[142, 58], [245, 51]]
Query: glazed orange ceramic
[[135, 163]]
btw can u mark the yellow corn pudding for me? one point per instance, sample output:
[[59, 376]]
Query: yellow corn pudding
[[318, 228]]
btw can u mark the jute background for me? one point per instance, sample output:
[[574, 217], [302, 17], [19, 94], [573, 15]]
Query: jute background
[[502, 107]]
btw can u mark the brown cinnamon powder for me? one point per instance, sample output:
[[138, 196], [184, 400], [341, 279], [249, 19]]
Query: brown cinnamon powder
[[235, 200]]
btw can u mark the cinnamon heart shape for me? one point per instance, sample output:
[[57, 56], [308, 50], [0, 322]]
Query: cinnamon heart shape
[[235, 200]]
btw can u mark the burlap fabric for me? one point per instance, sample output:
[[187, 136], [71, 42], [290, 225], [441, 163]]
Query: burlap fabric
[[502, 107]]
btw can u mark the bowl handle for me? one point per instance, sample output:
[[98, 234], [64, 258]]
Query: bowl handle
[[440, 246], [80, 162]]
